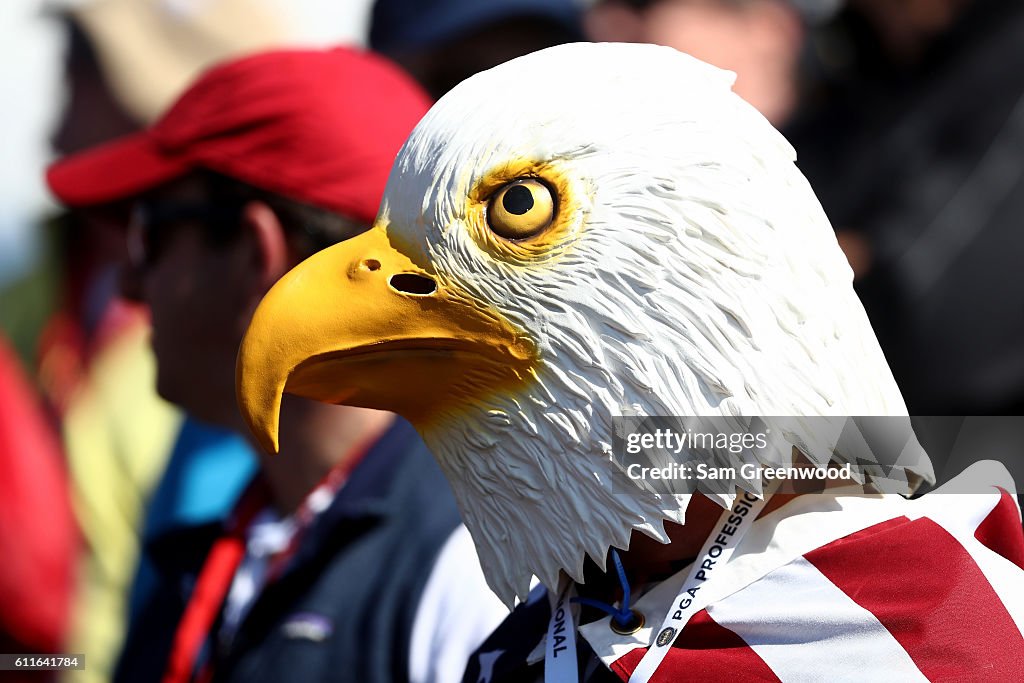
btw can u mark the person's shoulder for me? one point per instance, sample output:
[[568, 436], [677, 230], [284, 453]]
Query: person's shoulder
[[979, 508], [971, 517], [866, 587], [948, 569]]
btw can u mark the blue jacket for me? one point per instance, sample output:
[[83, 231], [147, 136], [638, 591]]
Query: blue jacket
[[208, 469]]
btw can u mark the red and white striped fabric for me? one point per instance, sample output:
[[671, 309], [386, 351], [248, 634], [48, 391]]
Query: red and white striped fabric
[[881, 589]]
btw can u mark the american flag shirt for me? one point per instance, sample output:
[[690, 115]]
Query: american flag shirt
[[827, 588]]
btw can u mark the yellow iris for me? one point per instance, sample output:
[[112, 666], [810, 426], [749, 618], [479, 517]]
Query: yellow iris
[[525, 212], [521, 209]]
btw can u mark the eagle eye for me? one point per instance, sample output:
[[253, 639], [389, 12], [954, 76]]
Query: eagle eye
[[521, 209]]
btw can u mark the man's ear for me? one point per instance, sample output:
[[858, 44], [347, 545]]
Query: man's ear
[[271, 243]]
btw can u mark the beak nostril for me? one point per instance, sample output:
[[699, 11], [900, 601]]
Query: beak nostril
[[411, 283], [371, 264]]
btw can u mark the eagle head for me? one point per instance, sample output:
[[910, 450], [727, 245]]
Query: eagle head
[[585, 232]]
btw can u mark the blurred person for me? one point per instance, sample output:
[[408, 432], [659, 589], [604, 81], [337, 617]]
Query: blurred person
[[912, 137], [150, 50], [127, 61], [38, 538], [97, 372], [759, 40], [443, 42], [345, 557]]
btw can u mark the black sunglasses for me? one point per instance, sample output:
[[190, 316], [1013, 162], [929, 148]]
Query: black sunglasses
[[151, 219]]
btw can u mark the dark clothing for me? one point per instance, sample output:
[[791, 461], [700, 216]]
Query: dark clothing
[[344, 605], [927, 162], [502, 658]]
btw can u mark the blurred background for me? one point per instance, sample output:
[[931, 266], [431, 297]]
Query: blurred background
[[907, 117]]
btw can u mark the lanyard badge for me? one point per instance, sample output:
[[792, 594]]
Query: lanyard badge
[[560, 665], [691, 598]]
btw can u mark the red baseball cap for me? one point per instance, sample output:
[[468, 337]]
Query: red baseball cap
[[319, 126]]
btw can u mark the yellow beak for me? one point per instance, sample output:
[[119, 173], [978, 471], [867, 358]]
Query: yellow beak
[[360, 324]]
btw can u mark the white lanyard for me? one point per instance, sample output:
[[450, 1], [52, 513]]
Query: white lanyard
[[728, 532], [560, 664]]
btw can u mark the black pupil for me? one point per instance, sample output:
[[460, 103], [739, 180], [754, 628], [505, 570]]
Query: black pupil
[[517, 200]]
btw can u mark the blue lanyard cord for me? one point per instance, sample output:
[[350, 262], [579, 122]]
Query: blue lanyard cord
[[623, 616]]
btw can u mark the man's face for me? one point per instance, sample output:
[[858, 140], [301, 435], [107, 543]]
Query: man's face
[[200, 297], [760, 40]]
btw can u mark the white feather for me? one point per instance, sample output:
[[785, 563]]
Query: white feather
[[704, 280]]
